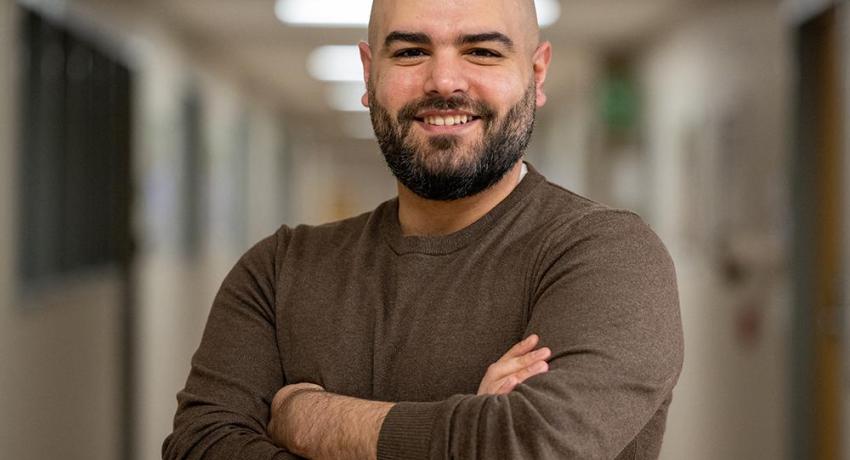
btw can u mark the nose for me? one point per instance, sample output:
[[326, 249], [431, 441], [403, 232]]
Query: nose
[[446, 76]]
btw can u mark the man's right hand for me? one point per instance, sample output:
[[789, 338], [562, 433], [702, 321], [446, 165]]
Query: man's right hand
[[521, 362]]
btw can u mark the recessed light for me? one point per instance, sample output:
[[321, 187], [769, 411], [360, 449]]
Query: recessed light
[[355, 13], [324, 13], [335, 63], [548, 12]]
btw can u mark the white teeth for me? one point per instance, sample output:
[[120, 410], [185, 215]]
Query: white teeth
[[448, 121]]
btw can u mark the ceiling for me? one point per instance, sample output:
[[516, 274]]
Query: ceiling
[[271, 56]]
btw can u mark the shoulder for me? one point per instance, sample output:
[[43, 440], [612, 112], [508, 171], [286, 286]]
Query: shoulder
[[336, 235], [550, 206], [576, 229], [566, 214], [288, 240]]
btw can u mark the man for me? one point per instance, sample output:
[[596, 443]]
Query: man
[[385, 335]]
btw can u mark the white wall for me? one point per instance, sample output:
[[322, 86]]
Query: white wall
[[716, 93], [59, 350]]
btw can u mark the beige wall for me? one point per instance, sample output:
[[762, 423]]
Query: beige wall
[[6, 197], [59, 346], [844, 14], [562, 144], [171, 293], [844, 310], [244, 177], [717, 99]]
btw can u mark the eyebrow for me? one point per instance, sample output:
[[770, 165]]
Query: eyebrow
[[409, 37], [469, 39], [487, 37]]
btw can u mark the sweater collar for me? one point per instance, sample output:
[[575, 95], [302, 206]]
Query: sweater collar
[[446, 244]]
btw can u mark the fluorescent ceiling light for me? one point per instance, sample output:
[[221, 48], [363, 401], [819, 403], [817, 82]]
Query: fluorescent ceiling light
[[324, 13], [335, 63], [345, 97], [548, 12], [355, 13]]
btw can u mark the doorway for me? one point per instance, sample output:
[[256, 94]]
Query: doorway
[[817, 239]]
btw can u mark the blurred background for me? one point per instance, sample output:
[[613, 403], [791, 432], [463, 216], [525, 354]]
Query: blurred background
[[146, 144]]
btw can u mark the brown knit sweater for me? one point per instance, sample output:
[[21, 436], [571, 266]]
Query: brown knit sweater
[[364, 311]]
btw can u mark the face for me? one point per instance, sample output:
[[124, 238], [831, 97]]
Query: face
[[452, 90]]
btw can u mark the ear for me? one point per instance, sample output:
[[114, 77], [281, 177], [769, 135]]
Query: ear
[[542, 58], [366, 59]]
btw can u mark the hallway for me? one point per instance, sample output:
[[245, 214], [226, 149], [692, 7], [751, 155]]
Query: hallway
[[144, 146]]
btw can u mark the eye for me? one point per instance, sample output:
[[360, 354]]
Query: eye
[[409, 53], [484, 53]]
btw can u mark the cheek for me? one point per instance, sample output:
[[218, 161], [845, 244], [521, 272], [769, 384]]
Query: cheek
[[506, 88], [397, 89], [501, 92]]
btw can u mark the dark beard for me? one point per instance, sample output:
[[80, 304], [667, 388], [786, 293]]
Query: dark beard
[[441, 172]]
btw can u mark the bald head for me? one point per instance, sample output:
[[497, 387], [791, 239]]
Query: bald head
[[522, 12], [467, 46]]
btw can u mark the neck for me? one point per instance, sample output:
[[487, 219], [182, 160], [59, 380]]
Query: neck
[[422, 217]]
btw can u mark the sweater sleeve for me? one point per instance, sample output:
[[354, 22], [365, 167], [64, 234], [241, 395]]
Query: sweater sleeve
[[224, 409], [606, 303]]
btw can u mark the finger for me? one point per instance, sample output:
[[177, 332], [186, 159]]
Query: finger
[[503, 368], [522, 347], [511, 365], [532, 357], [537, 368], [507, 386], [510, 382]]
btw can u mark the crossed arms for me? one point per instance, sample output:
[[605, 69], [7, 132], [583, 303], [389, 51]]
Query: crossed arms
[[312, 423], [613, 329]]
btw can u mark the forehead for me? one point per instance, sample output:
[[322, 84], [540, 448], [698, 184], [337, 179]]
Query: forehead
[[447, 18]]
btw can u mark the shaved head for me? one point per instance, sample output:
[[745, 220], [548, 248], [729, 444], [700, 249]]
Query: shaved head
[[523, 10], [452, 87]]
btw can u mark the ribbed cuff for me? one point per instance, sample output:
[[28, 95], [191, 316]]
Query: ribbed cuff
[[406, 431]]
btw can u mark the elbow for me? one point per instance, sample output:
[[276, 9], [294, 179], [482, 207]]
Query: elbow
[[170, 449]]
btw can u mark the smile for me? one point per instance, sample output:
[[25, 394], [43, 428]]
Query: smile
[[442, 122], [449, 120]]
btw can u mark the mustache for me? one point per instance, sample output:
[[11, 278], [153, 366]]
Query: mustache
[[436, 102]]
